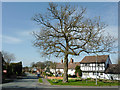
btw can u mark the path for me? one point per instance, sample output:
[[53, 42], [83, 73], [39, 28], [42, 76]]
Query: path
[[45, 82]]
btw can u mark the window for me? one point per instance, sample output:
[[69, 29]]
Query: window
[[101, 64], [88, 64], [93, 64]]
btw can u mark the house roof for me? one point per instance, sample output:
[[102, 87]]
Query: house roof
[[70, 65], [92, 59], [113, 69]]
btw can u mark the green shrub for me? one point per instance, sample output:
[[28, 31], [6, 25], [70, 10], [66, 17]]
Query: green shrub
[[100, 79], [40, 80], [44, 73], [51, 74], [72, 76], [69, 75], [78, 70], [88, 79]]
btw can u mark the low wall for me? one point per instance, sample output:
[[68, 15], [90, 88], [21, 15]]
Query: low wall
[[55, 77]]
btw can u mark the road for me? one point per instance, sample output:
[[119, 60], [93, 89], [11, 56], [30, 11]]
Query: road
[[31, 81]]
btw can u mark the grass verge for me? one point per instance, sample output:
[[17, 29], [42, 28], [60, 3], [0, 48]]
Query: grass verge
[[82, 83], [40, 80]]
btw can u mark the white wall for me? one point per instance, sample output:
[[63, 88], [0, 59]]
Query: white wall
[[92, 67], [91, 75], [70, 71]]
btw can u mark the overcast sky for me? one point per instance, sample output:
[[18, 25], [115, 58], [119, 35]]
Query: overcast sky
[[17, 27]]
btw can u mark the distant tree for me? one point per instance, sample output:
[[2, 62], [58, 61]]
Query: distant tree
[[33, 64], [40, 65], [8, 57], [66, 31], [53, 66], [47, 63], [16, 68], [3, 61], [26, 69], [47, 69]]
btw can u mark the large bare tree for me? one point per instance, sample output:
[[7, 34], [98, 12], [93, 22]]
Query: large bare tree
[[66, 31]]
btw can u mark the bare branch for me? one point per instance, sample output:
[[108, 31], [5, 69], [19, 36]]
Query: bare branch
[[66, 30]]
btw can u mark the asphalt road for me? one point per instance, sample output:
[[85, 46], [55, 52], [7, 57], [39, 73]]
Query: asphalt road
[[31, 81]]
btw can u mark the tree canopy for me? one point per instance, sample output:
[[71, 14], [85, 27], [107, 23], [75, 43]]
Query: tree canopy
[[66, 31], [8, 57]]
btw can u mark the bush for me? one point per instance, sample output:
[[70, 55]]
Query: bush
[[100, 79], [78, 70], [62, 75], [88, 79], [72, 76], [69, 75], [44, 73], [54, 80], [51, 74], [40, 80]]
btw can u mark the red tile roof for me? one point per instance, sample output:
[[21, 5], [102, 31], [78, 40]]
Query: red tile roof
[[70, 65], [92, 59]]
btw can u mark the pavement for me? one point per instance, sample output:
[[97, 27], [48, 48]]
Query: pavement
[[45, 82], [31, 81]]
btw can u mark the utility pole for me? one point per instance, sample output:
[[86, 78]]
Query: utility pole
[[96, 68]]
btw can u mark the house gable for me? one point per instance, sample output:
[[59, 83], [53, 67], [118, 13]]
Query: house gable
[[108, 62]]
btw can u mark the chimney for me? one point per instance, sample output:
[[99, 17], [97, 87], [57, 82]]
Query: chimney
[[71, 60], [62, 61]]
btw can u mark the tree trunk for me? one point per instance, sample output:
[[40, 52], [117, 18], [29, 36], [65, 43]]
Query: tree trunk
[[55, 71], [65, 76]]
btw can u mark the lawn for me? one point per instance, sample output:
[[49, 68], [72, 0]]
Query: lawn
[[40, 80], [83, 82]]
